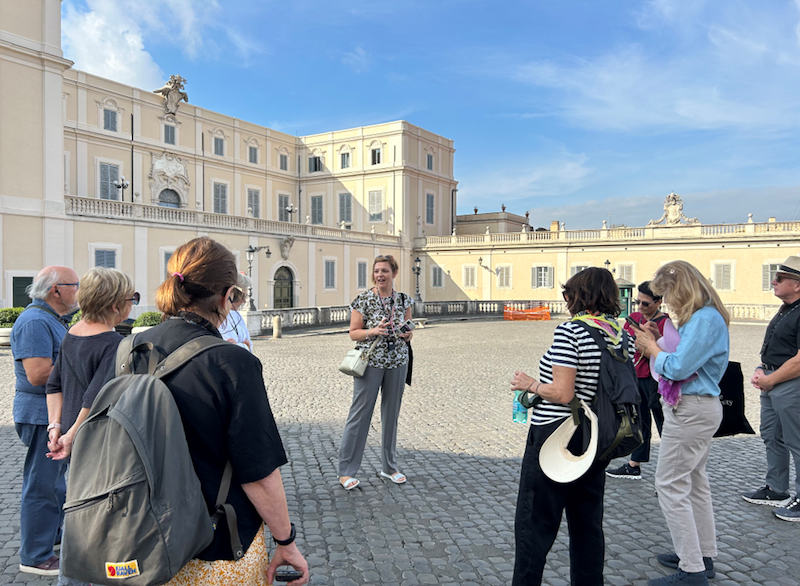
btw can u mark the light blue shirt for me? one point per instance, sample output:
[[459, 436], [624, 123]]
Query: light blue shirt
[[704, 349]]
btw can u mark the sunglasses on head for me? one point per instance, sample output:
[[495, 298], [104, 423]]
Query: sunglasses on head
[[135, 299], [780, 278]]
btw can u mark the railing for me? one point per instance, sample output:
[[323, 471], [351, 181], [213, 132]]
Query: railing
[[445, 308], [744, 230], [306, 317], [103, 208]]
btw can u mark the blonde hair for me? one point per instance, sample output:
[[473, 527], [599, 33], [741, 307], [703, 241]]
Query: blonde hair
[[100, 290], [200, 270], [686, 290]]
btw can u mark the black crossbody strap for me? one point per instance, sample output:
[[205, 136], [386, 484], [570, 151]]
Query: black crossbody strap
[[223, 508], [51, 312]]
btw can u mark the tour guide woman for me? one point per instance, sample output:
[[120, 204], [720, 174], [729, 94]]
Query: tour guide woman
[[569, 368], [380, 311], [681, 481], [226, 416]]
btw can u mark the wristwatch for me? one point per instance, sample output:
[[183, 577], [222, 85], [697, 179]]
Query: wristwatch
[[287, 541]]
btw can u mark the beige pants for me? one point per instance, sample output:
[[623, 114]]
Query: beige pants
[[681, 481], [251, 570]]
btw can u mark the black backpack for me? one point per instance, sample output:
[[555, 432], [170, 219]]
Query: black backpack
[[616, 403]]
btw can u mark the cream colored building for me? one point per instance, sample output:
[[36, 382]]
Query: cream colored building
[[324, 204]]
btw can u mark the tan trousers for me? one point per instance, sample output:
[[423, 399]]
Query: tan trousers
[[681, 481]]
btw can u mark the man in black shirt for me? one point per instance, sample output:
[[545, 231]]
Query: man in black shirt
[[778, 378]]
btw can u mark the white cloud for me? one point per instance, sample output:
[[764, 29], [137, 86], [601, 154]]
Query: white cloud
[[109, 39], [358, 59]]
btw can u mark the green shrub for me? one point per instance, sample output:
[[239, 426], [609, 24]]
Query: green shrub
[[75, 318], [8, 315], [148, 318]]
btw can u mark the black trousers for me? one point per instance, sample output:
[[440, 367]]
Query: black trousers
[[540, 505], [649, 403]]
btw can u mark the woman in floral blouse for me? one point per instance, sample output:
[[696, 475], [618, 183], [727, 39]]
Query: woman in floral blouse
[[378, 312]]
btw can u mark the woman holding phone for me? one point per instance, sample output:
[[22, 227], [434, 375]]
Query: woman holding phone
[[377, 313]]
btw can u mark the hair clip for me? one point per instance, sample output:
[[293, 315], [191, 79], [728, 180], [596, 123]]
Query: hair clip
[[672, 271], [180, 276]]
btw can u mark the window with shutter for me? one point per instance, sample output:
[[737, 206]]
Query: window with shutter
[[345, 208], [330, 274], [252, 154], [345, 159], [105, 258], [625, 272], [430, 162], [254, 202], [362, 275], [469, 278], [284, 162], [376, 156], [219, 146], [110, 120], [375, 206], [316, 209], [169, 134], [577, 269], [167, 256], [723, 277], [108, 175], [220, 198], [429, 203], [504, 277], [283, 203], [437, 277], [768, 273], [314, 164]]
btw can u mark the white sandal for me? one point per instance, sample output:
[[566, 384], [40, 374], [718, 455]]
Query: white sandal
[[396, 477], [350, 483]]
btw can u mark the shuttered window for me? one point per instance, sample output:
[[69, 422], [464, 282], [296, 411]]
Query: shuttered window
[[330, 274], [219, 146], [542, 277], [577, 269], [345, 159], [723, 277], [220, 198], [345, 208], [430, 162], [437, 277], [108, 174], [375, 206], [110, 120], [504, 277], [429, 203], [376, 156], [768, 273], [625, 272], [254, 202], [105, 258], [362, 275], [284, 162], [252, 154], [169, 134], [314, 164], [469, 281], [283, 203], [316, 209]]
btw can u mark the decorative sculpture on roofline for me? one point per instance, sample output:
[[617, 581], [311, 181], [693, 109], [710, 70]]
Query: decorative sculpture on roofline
[[173, 93], [673, 212]]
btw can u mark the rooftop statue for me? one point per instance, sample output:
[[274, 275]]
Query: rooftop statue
[[673, 212], [173, 93]]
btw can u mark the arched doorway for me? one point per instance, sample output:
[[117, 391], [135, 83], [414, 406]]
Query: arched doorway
[[169, 198], [284, 288]]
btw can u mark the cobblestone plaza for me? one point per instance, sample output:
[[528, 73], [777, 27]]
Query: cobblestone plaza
[[452, 523]]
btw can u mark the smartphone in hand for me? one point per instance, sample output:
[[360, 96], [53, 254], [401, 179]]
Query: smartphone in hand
[[634, 324], [287, 575]]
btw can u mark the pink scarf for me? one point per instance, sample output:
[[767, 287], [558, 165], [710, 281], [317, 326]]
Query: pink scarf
[[669, 389]]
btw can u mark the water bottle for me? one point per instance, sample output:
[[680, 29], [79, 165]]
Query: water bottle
[[519, 414]]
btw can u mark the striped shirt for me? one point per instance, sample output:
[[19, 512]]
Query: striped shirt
[[573, 347]]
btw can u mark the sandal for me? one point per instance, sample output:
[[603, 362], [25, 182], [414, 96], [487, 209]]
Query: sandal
[[350, 483], [396, 477]]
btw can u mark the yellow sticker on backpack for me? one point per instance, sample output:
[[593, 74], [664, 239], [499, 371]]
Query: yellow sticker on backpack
[[122, 570]]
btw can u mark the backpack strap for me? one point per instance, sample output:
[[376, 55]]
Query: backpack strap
[[621, 354], [51, 312], [226, 510], [125, 351], [185, 353]]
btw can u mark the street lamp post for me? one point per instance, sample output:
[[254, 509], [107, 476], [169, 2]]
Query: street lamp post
[[251, 251], [121, 184], [417, 270], [608, 264], [291, 209]]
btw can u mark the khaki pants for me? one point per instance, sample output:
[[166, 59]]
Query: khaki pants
[[681, 481]]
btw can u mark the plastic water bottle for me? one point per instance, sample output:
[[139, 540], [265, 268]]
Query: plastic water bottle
[[519, 414]]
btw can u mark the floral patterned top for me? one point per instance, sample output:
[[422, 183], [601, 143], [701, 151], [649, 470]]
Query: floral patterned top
[[373, 310]]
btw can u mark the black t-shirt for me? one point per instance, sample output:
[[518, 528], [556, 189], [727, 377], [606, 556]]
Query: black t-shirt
[[782, 339], [80, 371], [226, 415]]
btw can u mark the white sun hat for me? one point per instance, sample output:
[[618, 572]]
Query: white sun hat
[[557, 462]]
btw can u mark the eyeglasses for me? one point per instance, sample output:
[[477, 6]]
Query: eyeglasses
[[780, 278], [135, 299], [238, 294], [66, 285]]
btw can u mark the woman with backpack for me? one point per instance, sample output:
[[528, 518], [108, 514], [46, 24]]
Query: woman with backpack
[[570, 368], [690, 419], [226, 417]]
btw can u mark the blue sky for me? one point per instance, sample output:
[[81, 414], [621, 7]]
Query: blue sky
[[581, 111]]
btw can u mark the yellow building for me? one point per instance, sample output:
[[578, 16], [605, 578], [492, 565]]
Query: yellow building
[[94, 172]]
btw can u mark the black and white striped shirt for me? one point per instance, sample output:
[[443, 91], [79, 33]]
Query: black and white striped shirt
[[573, 347]]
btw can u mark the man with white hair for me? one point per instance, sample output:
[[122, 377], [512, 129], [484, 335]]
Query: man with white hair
[[778, 378], [35, 342]]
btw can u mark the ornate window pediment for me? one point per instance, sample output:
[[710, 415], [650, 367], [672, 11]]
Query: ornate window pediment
[[168, 171]]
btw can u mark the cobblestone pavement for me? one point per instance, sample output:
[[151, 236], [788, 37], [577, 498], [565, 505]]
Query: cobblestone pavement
[[452, 523]]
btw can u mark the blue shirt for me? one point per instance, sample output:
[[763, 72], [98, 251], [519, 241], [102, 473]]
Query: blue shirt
[[703, 349], [36, 334]]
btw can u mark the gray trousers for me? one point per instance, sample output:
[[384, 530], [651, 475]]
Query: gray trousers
[[780, 430], [681, 480], [391, 382]]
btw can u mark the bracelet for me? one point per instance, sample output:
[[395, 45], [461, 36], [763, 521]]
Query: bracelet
[[536, 392], [53, 426], [288, 541]]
